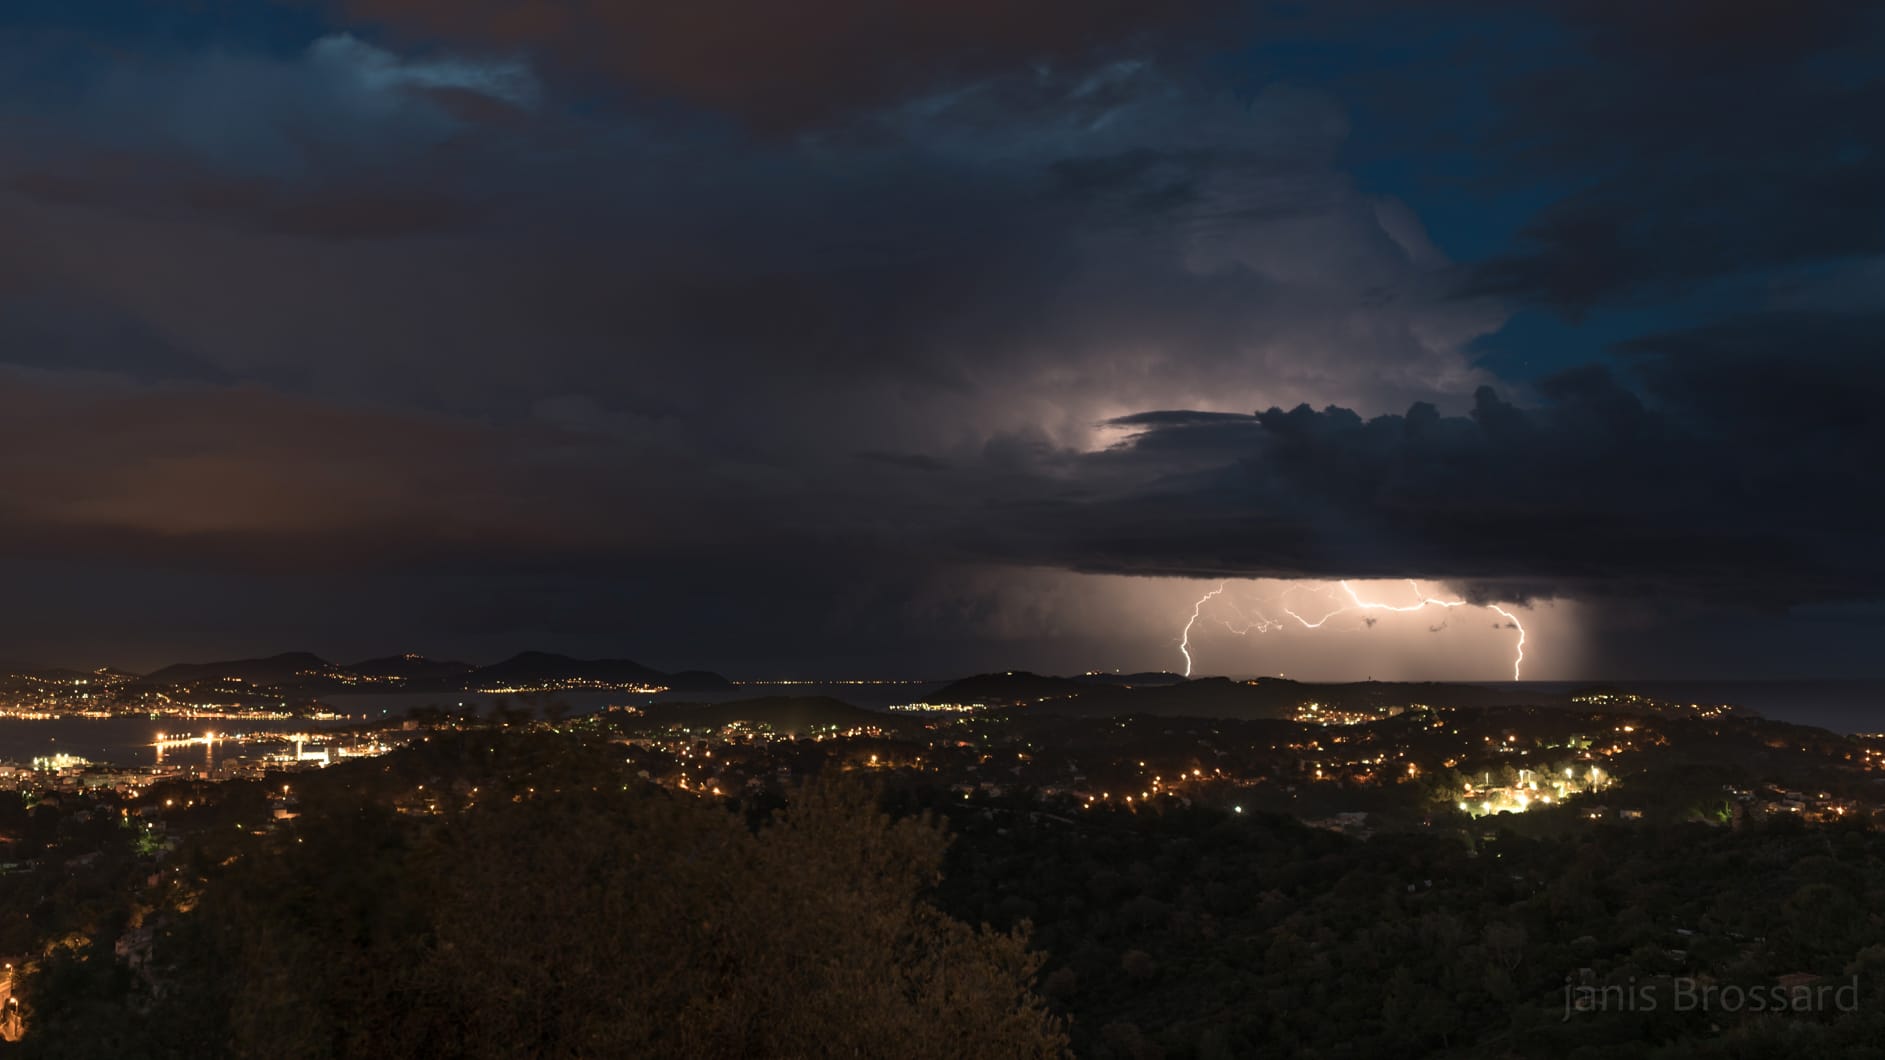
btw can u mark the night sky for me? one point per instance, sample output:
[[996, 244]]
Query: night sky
[[887, 337]]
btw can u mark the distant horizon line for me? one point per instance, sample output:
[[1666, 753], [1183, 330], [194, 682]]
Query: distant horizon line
[[15, 667]]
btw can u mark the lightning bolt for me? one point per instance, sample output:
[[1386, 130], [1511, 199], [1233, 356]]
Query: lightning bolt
[[1356, 603], [1184, 642], [1244, 624], [1306, 624], [1518, 660]]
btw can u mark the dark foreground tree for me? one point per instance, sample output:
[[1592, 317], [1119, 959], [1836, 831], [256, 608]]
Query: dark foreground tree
[[570, 915]]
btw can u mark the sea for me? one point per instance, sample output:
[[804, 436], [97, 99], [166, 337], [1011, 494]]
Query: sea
[[132, 741]]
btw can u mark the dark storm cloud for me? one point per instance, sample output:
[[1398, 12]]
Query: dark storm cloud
[[927, 278], [1694, 141], [780, 66], [1743, 476], [342, 141], [246, 474], [1713, 34], [53, 331], [1774, 375], [157, 186], [423, 304], [1643, 236]]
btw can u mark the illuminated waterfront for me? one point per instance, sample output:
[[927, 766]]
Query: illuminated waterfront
[[133, 741]]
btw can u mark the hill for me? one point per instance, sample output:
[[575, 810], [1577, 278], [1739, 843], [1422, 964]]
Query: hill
[[697, 681], [1010, 687], [289, 669], [533, 668], [1150, 677], [410, 667]]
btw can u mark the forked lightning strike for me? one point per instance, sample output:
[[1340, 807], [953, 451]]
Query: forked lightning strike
[[1356, 604], [1184, 642]]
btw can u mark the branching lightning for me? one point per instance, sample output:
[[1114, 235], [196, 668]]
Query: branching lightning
[[1244, 624], [1184, 642]]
